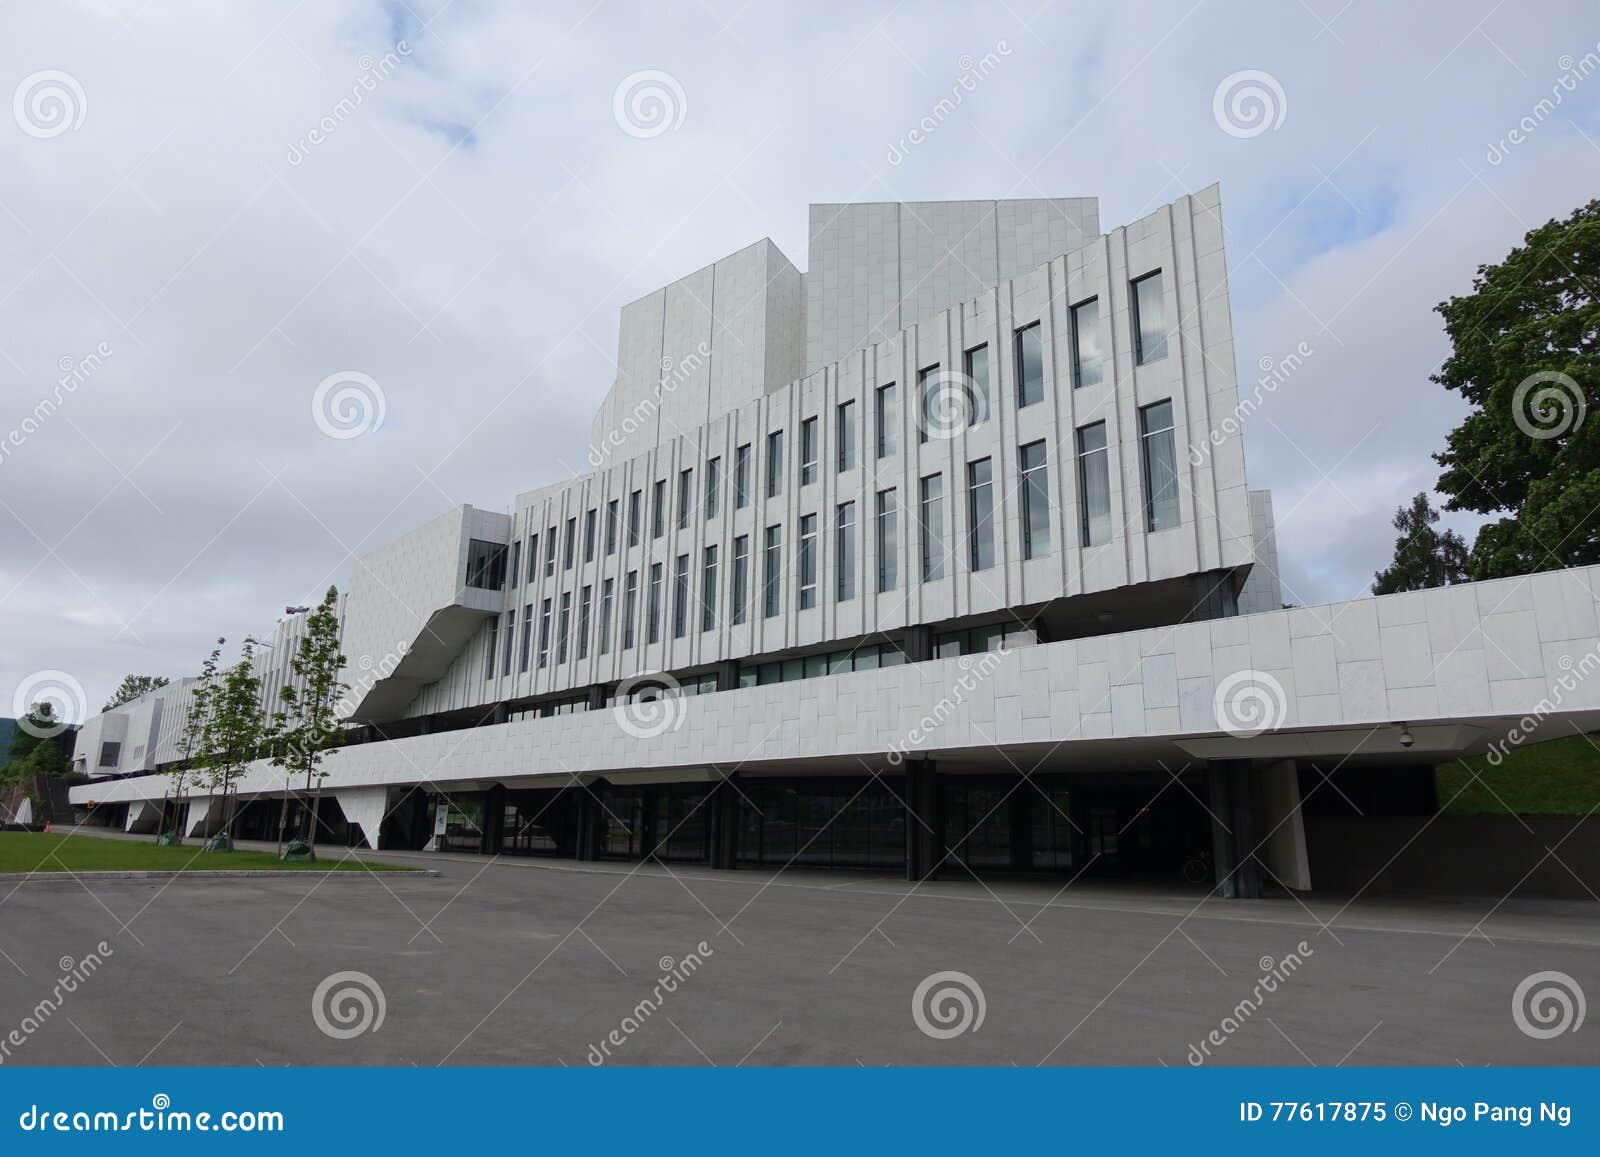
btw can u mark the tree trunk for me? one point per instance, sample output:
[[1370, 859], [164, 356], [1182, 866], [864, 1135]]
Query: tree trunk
[[316, 803]]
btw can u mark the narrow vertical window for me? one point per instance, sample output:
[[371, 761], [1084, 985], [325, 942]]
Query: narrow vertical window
[[526, 652], [1094, 484], [1149, 319], [708, 589], [1158, 448], [563, 627], [980, 514], [510, 634], [741, 477], [930, 526], [685, 497], [533, 556], [613, 517], [544, 633], [888, 420], [806, 562], [589, 517], [1086, 363], [658, 508], [844, 552], [927, 400], [608, 591], [1030, 365], [569, 544], [635, 501], [1035, 500], [808, 451], [976, 367], [740, 596], [680, 597], [550, 552], [493, 649], [888, 522], [652, 609], [630, 610], [846, 435], [713, 486], [775, 464], [584, 600], [516, 565], [772, 571]]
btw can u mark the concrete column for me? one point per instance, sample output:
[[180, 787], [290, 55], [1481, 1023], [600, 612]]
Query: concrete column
[[728, 675], [723, 824], [591, 821], [1213, 597], [494, 818], [924, 821], [918, 644], [365, 807], [1233, 832], [1283, 828]]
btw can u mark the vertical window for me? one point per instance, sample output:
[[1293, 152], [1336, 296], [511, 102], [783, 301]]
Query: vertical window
[[1035, 500], [533, 556], [516, 565], [930, 526], [713, 486], [510, 634], [741, 477], [740, 595], [635, 500], [708, 589], [844, 552], [1030, 365], [652, 608], [927, 403], [888, 520], [544, 633], [658, 508], [808, 451], [563, 627], [888, 417], [975, 364], [588, 534], [685, 496], [980, 514], [806, 561], [613, 517], [1149, 319], [630, 609], [527, 637], [607, 592], [1094, 484], [846, 435], [1158, 448], [680, 597], [1086, 366], [550, 552], [584, 599], [493, 648], [772, 573], [569, 544], [775, 464]]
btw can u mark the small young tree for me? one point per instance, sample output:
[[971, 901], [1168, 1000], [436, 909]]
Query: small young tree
[[194, 727], [232, 737], [308, 725], [133, 686]]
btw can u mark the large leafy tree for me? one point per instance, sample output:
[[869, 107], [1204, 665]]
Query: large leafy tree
[[308, 725], [133, 686], [1423, 557], [1526, 357]]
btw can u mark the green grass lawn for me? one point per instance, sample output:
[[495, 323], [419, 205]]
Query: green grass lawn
[[52, 852], [1560, 777]]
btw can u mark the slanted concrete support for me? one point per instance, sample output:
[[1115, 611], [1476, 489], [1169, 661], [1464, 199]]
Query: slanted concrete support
[[1283, 829], [1233, 830]]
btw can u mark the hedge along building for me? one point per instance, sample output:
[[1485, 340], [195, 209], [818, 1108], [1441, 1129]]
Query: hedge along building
[[930, 558]]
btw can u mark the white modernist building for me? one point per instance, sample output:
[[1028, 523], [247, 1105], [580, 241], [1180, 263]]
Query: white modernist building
[[938, 554]]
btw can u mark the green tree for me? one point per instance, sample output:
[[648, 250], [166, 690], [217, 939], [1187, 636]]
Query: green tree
[[191, 745], [232, 735], [1526, 357], [1423, 557], [308, 725], [133, 686]]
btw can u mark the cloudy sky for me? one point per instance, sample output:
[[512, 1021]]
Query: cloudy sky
[[464, 227]]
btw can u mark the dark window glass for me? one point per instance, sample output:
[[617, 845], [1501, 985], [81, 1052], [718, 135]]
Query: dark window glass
[[888, 541], [486, 565], [741, 579], [930, 526], [1086, 362], [844, 552], [1030, 365], [1035, 500], [980, 514], [1158, 444], [741, 477], [772, 576], [1149, 319], [1094, 484], [888, 420]]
